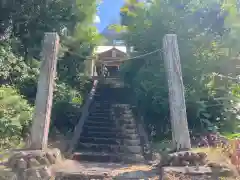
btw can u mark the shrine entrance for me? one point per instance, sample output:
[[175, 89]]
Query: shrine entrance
[[109, 59], [113, 70]]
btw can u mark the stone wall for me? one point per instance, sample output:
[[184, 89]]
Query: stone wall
[[33, 164], [191, 166]]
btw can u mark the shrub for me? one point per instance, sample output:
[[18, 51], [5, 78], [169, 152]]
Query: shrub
[[14, 71], [15, 117], [66, 107]]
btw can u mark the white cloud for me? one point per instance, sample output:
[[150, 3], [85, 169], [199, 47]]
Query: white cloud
[[97, 19]]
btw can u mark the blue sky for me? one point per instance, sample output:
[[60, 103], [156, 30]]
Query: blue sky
[[107, 12]]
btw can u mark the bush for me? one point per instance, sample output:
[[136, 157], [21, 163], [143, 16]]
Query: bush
[[66, 107], [12, 68], [14, 71], [69, 93], [210, 101], [15, 117]]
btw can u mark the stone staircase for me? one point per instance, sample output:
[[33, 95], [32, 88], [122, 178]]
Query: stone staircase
[[109, 134]]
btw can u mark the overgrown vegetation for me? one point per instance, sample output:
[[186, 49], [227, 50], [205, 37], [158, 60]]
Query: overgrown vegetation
[[15, 116], [208, 43], [23, 24]]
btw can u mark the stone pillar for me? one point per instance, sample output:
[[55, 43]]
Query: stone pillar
[[178, 116], [43, 104], [92, 67]]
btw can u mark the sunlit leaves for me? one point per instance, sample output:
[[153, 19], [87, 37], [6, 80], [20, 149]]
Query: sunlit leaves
[[15, 114], [236, 90], [118, 28], [27, 22], [206, 45]]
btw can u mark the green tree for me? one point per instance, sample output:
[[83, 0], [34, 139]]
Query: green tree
[[203, 41], [23, 24], [29, 20], [15, 117]]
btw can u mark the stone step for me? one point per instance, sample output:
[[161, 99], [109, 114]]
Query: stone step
[[100, 123], [105, 94], [126, 116], [107, 148], [128, 126], [101, 119], [126, 120], [124, 106], [101, 102], [79, 176], [105, 98], [100, 114], [86, 133], [123, 121], [106, 116], [124, 111], [133, 149], [132, 142], [96, 157], [97, 117], [131, 136], [97, 140], [102, 107], [128, 131], [103, 129], [99, 94], [101, 110], [133, 158], [98, 147]]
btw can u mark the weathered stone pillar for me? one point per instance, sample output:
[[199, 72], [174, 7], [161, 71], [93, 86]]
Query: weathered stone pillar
[[43, 104], [178, 116]]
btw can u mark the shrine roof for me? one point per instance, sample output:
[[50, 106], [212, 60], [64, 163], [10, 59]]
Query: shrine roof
[[101, 49]]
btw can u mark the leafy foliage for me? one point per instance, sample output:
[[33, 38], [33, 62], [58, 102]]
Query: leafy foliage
[[23, 24], [14, 71], [15, 117], [29, 20], [206, 38], [67, 106]]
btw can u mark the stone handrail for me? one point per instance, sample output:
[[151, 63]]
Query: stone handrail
[[144, 138], [84, 115], [146, 143]]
